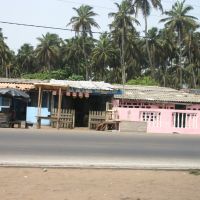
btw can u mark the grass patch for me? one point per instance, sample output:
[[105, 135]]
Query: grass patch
[[195, 172]]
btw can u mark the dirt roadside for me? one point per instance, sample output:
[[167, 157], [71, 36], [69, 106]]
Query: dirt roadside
[[97, 184]]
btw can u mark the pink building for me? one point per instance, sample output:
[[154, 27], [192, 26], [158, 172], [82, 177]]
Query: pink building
[[164, 110]]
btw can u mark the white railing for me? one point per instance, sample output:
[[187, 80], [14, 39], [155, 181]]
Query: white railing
[[184, 120]]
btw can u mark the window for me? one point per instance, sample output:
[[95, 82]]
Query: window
[[5, 101]]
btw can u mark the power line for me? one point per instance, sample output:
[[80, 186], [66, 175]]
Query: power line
[[56, 28], [46, 27], [59, 28]]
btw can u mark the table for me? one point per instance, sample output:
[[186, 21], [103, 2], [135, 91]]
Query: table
[[39, 118]]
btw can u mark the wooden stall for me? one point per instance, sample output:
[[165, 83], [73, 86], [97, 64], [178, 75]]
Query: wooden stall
[[56, 117]]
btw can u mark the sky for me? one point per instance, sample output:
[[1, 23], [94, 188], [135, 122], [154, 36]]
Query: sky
[[57, 13]]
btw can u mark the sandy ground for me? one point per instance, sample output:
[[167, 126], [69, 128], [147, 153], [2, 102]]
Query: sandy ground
[[97, 184]]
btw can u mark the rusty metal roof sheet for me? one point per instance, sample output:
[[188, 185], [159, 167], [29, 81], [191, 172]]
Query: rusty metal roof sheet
[[21, 84]]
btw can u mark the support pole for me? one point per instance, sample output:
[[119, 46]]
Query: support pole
[[39, 107], [39, 101], [59, 107], [52, 102]]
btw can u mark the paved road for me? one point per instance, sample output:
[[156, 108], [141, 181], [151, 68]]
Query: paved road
[[108, 149]]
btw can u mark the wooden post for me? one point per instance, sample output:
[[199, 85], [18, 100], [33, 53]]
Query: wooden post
[[59, 107], [39, 107], [52, 102], [39, 100]]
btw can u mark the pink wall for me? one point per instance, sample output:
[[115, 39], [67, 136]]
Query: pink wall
[[163, 120], [193, 107]]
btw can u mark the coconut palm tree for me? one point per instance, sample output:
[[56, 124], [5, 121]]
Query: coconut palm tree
[[103, 54], [47, 50], [164, 54], [84, 21], [179, 21], [73, 54], [145, 7], [82, 25], [25, 58], [5, 55], [121, 26], [192, 53]]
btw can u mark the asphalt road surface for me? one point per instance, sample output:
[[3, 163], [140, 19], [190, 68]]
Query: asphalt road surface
[[50, 147]]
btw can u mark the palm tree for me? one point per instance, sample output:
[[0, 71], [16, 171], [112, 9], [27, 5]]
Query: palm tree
[[145, 7], [181, 23], [5, 55], [164, 53], [121, 26], [192, 52], [103, 54], [25, 58], [135, 60], [73, 54], [48, 50], [82, 24]]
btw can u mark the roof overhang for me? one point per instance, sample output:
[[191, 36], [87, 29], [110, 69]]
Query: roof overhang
[[50, 86]]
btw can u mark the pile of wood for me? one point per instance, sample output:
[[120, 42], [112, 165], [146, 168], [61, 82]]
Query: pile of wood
[[4, 119]]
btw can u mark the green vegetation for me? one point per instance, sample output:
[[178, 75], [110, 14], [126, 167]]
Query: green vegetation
[[47, 75], [195, 172], [146, 80], [167, 57]]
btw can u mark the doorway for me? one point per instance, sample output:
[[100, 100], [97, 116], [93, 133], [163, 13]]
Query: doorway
[[81, 107]]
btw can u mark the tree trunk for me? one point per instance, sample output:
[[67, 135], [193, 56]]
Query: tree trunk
[[49, 65], [6, 68], [194, 78], [102, 71], [180, 58], [2, 64], [147, 47], [85, 58], [123, 63], [190, 62]]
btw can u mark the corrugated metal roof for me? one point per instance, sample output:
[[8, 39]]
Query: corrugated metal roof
[[50, 86], [85, 85], [21, 84], [159, 94], [137, 92]]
